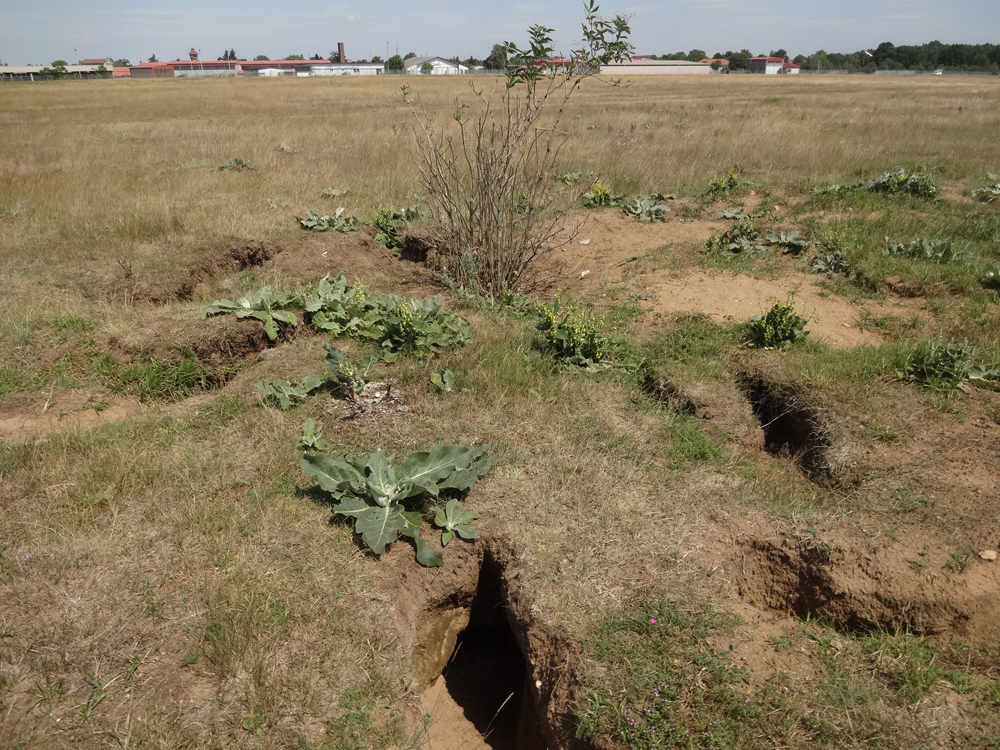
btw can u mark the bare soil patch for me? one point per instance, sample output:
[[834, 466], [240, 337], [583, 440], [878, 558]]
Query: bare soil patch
[[233, 257], [26, 416], [733, 298]]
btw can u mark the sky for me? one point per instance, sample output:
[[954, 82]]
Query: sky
[[40, 31]]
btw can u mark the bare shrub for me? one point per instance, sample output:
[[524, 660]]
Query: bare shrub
[[492, 211]]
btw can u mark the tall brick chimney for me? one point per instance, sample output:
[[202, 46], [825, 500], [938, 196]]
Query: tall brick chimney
[[342, 58]]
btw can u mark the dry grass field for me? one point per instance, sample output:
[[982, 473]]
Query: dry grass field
[[663, 559]]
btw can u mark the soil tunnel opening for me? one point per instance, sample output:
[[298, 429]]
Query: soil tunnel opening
[[475, 675], [791, 425]]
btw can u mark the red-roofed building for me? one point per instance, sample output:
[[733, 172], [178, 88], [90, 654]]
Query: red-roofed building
[[117, 72], [107, 62], [790, 68], [768, 65]]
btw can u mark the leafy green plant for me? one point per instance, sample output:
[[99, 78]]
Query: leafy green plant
[[338, 222], [898, 181], [988, 193], [570, 178], [415, 326], [235, 165], [830, 263], [574, 335], [600, 196], [779, 328], [384, 502], [452, 520], [902, 180], [312, 437], [264, 305], [648, 207], [990, 277], [722, 187], [790, 243], [346, 377], [743, 237], [936, 251], [390, 225], [946, 366], [961, 560], [444, 381], [286, 394], [729, 213]]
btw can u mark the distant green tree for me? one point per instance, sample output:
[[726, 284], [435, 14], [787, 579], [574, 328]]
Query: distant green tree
[[408, 55], [696, 54], [295, 57], [317, 57], [394, 63], [497, 59], [377, 59], [103, 72], [262, 58], [123, 62], [783, 54], [426, 68], [472, 62], [58, 63], [153, 58]]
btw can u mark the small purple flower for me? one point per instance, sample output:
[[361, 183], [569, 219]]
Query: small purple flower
[[652, 620]]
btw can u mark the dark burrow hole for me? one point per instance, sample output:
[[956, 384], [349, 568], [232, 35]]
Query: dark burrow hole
[[487, 676], [791, 425]]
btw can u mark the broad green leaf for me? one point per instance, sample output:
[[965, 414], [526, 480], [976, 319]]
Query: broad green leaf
[[425, 556], [381, 478], [424, 469], [271, 328], [379, 526], [350, 506], [446, 537], [335, 475], [466, 532], [463, 479]]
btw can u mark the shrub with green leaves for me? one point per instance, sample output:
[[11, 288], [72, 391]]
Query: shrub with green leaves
[[338, 222], [265, 305], [286, 394], [648, 207], [722, 187], [600, 196], [789, 243], [946, 366], [384, 502], [779, 328], [574, 335], [390, 225], [935, 251]]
